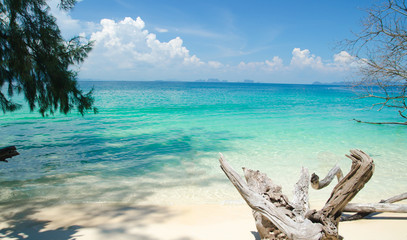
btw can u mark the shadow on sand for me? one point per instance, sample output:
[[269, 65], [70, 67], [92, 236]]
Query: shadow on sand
[[67, 222], [21, 226]]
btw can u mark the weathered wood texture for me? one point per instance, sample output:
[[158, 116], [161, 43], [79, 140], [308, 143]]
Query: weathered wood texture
[[272, 193], [364, 213], [262, 185], [335, 171], [363, 210], [292, 228], [375, 207], [8, 152], [273, 212], [360, 173]]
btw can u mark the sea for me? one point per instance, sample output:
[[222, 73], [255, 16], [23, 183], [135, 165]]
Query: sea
[[159, 143]]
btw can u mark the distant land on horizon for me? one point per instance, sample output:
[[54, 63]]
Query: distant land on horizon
[[331, 83], [215, 80]]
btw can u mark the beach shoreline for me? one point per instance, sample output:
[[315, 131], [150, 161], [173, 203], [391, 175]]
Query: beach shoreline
[[88, 221], [149, 169]]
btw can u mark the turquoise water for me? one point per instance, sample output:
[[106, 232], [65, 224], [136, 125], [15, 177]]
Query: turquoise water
[[159, 142]]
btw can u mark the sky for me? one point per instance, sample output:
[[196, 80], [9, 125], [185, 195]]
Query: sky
[[291, 41]]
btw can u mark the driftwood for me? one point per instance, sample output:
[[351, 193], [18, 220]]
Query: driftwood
[[293, 228], [8, 152], [381, 123], [363, 210], [278, 218], [272, 193], [335, 171], [375, 207]]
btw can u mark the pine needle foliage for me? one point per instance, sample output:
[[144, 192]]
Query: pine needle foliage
[[37, 62]]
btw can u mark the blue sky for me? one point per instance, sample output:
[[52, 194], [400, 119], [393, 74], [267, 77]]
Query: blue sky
[[265, 41]]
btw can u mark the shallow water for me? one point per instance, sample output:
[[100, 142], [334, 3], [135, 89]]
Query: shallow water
[[159, 142]]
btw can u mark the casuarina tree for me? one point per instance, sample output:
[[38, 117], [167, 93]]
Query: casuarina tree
[[37, 62]]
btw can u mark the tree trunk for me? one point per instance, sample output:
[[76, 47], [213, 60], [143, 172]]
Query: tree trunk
[[293, 218]]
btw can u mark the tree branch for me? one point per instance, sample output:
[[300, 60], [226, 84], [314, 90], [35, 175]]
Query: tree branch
[[360, 173], [380, 123], [335, 171], [361, 214], [375, 207], [8, 152]]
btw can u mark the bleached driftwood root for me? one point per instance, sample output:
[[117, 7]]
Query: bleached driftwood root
[[335, 171], [300, 228], [271, 192], [365, 209], [375, 207], [273, 212]]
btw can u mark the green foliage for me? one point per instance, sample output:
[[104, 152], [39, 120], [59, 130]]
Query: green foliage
[[37, 62]]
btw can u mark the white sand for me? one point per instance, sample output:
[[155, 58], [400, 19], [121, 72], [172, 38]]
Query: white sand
[[176, 222]]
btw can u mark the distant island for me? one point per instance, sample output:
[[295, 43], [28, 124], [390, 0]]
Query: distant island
[[211, 80], [331, 83], [215, 80]]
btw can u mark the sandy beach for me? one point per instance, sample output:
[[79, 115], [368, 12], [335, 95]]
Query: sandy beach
[[152, 222], [118, 117]]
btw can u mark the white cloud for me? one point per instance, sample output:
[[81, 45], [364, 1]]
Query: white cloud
[[275, 64], [161, 30], [250, 65], [343, 58], [341, 62], [215, 64], [303, 67], [126, 50], [346, 61], [64, 20], [70, 27], [304, 58]]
